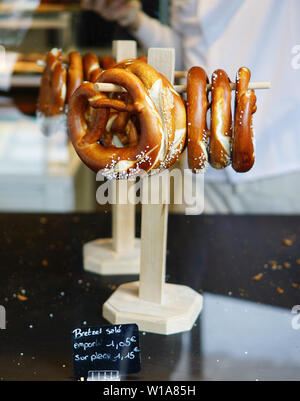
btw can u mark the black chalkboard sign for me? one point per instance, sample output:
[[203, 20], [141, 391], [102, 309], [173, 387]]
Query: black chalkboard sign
[[106, 348]]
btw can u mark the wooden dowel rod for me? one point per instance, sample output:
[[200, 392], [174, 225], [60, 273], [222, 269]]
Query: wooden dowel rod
[[252, 85], [178, 88], [180, 74], [102, 87], [184, 74]]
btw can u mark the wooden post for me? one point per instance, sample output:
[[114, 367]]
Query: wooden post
[[155, 217], [152, 304], [123, 222], [121, 253], [153, 251], [124, 49], [123, 215]]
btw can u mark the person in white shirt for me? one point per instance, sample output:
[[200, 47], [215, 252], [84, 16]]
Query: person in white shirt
[[263, 35]]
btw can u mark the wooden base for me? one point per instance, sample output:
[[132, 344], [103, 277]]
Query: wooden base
[[178, 312], [99, 257]]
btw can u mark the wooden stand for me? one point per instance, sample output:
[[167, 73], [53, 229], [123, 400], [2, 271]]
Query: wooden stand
[[121, 253], [152, 304]]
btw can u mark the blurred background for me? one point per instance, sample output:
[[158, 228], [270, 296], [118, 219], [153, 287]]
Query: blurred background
[[38, 173]]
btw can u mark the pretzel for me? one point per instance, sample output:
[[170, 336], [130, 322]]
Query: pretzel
[[91, 67], [52, 93], [168, 103], [221, 121], [197, 132], [116, 162], [243, 140], [75, 73], [107, 62]]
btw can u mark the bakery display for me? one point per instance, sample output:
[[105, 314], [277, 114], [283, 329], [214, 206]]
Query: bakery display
[[126, 117]]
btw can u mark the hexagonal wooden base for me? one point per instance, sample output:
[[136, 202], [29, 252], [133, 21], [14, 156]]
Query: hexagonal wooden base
[[178, 312], [99, 257]]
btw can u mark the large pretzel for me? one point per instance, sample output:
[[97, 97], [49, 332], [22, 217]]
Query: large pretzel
[[221, 121], [197, 132], [117, 162], [168, 103], [52, 93], [243, 140], [75, 73]]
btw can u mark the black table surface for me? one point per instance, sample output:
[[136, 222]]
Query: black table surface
[[246, 267]]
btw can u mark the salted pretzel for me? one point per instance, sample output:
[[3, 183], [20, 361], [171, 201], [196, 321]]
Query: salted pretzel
[[75, 73], [243, 156], [221, 121], [117, 162], [107, 62], [197, 131], [168, 103], [91, 67], [52, 93]]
